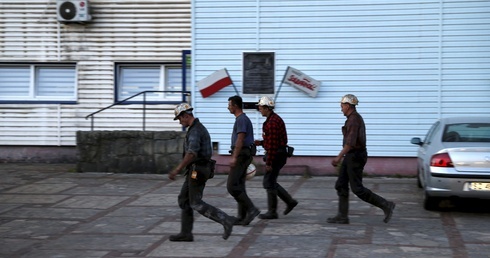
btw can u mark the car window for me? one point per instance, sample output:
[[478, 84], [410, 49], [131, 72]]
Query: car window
[[430, 133], [467, 132]]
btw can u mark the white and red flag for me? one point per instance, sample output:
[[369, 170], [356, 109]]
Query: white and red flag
[[214, 83], [301, 81]]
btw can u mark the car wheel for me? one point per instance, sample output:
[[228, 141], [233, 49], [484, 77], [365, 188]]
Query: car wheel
[[419, 181], [431, 203]]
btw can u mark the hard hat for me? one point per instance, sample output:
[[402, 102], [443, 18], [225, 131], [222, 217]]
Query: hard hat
[[182, 107], [266, 101], [251, 170], [349, 99]]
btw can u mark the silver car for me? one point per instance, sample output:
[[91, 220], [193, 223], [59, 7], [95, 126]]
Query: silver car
[[454, 160]]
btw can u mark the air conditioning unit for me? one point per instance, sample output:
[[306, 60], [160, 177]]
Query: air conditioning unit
[[73, 11]]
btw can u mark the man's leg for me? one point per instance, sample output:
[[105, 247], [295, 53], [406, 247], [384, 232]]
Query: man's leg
[[342, 187], [186, 217], [355, 176]]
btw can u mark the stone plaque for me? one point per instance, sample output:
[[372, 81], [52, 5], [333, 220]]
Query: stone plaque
[[258, 73]]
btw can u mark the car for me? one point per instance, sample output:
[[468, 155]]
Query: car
[[453, 160]]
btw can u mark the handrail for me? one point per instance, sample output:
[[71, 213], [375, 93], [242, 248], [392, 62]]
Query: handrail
[[186, 93]]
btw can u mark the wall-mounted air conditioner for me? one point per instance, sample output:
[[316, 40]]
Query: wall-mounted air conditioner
[[73, 10]]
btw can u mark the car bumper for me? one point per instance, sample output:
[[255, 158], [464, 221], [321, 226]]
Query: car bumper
[[456, 187]]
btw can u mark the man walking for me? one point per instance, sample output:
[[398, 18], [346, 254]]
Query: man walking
[[198, 168], [275, 140], [354, 155], [241, 156]]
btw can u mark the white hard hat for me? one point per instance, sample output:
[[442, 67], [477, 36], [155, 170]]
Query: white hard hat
[[182, 107], [349, 99], [266, 101], [251, 170]]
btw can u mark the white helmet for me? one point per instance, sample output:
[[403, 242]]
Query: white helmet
[[182, 107], [266, 101], [350, 99]]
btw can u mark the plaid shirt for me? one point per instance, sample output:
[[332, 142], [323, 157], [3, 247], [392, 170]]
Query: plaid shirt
[[275, 136]]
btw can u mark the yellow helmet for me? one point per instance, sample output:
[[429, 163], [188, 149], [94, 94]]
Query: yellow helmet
[[266, 101], [349, 99], [182, 107]]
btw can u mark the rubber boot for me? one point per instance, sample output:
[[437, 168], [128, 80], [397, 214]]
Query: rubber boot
[[251, 210], [187, 221], [287, 198], [383, 204], [221, 217], [241, 215], [272, 206], [342, 215]]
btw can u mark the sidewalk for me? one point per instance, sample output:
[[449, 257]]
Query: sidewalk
[[47, 210]]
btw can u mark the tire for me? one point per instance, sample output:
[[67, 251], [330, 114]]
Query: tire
[[419, 182], [431, 203]]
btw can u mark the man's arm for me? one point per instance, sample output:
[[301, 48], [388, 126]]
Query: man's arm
[[238, 147], [188, 158], [342, 153]]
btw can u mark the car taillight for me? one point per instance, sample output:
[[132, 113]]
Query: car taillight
[[441, 160]]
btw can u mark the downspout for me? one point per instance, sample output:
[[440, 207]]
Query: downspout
[[258, 134], [59, 124], [59, 41], [439, 58]]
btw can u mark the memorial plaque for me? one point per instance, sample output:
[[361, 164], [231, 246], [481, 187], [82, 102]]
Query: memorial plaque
[[258, 73]]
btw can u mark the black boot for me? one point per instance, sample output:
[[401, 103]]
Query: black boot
[[286, 197], [185, 235], [241, 215], [250, 211], [272, 206], [221, 217], [341, 217], [383, 204]]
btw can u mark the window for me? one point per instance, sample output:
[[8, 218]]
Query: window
[[467, 132], [21, 83], [133, 79]]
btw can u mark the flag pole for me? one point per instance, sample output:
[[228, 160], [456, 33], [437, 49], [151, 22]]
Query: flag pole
[[280, 85], [232, 83]]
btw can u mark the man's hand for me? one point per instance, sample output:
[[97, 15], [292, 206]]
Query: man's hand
[[233, 162], [336, 161], [173, 174]]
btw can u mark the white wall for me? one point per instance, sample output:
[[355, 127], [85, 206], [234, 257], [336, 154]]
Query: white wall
[[120, 31], [409, 62]]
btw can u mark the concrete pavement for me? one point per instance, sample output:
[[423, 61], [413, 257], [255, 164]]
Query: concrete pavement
[[47, 210]]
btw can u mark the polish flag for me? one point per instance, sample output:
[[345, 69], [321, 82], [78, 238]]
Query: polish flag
[[214, 82]]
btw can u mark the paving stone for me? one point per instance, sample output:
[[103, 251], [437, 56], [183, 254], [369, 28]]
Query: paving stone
[[48, 212]]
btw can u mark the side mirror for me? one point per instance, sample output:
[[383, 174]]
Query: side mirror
[[416, 141]]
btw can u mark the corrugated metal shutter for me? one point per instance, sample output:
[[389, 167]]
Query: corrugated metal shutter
[[409, 62], [120, 31]]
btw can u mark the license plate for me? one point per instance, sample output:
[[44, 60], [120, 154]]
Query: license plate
[[479, 186]]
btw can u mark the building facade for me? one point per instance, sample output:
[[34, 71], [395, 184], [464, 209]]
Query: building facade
[[409, 63], [53, 74]]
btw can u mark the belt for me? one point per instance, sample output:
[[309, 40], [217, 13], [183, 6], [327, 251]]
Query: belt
[[356, 150]]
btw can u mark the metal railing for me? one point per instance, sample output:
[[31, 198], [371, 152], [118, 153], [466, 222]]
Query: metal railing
[[92, 115]]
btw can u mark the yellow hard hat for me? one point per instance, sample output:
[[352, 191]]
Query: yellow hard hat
[[349, 99], [182, 107]]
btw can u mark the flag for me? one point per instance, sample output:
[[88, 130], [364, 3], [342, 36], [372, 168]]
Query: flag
[[214, 82], [301, 81]]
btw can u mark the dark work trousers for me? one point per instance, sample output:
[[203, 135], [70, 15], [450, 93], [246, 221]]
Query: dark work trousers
[[190, 198], [236, 182], [271, 185], [270, 178], [351, 174]]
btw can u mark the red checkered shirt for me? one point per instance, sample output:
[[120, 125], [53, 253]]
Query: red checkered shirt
[[275, 136]]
